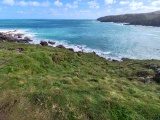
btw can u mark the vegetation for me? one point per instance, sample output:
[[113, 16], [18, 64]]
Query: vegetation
[[146, 19], [46, 83]]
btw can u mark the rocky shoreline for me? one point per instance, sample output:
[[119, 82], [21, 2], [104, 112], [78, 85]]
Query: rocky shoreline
[[14, 36], [19, 37]]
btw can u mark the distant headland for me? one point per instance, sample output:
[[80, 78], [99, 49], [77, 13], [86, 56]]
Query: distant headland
[[145, 19]]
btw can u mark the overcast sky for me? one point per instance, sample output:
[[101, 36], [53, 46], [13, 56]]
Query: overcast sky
[[72, 9]]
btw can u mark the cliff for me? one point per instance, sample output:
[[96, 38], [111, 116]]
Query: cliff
[[145, 19]]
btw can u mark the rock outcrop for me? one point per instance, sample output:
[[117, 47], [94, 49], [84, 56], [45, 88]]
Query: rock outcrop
[[51, 42], [157, 78], [60, 46], [43, 43], [14, 37]]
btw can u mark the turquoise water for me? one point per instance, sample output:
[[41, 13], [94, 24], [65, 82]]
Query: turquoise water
[[109, 40]]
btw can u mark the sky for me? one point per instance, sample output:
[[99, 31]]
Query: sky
[[73, 9]]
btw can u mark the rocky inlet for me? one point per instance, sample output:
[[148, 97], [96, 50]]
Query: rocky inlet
[[14, 36]]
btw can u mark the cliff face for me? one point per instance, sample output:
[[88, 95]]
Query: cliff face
[[146, 19]]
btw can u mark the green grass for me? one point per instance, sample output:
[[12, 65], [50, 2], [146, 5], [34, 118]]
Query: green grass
[[46, 83]]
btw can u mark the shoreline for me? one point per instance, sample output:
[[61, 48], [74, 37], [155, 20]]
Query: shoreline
[[128, 24], [22, 36]]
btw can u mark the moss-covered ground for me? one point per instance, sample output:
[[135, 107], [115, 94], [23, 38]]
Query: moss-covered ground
[[46, 83]]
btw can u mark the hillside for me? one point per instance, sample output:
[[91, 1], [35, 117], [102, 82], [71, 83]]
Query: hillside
[[46, 83], [146, 19]]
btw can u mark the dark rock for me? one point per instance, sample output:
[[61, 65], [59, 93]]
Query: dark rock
[[11, 39], [18, 35], [115, 60], [157, 78], [153, 67], [71, 49], [79, 47], [10, 49], [3, 37], [27, 39], [8, 38], [93, 80], [21, 41], [94, 52], [51, 42], [125, 59], [158, 70], [60, 46], [43, 43]]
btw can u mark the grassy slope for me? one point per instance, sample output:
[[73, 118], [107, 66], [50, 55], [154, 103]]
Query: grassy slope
[[46, 83]]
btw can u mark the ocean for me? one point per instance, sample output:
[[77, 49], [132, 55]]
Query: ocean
[[109, 40]]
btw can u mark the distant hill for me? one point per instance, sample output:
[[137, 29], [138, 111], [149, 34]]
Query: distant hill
[[146, 19]]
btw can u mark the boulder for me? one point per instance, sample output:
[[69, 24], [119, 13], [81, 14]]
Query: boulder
[[51, 42], [26, 40], [157, 78], [11, 39], [115, 60], [8, 37], [71, 49], [94, 52], [43, 43], [153, 67], [60, 46], [18, 35], [3, 37], [158, 70]]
